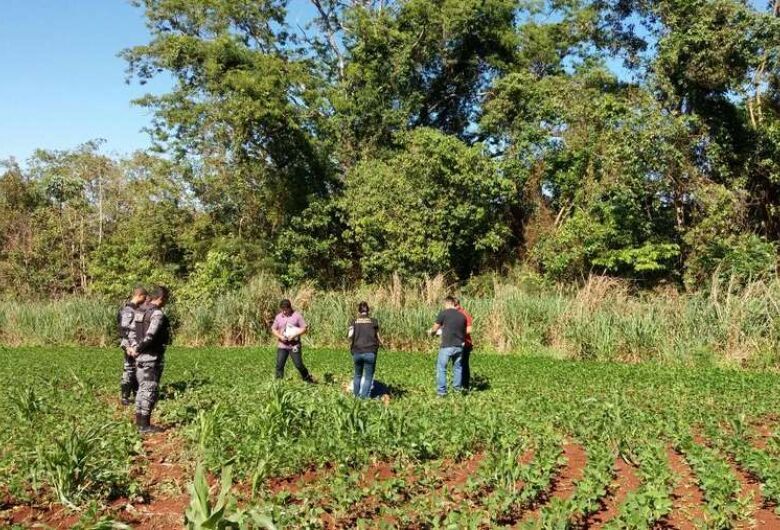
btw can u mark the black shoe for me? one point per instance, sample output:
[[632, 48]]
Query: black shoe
[[150, 429], [144, 424]]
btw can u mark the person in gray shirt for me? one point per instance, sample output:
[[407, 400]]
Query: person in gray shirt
[[148, 341], [125, 320]]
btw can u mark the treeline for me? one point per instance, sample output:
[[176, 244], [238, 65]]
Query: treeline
[[633, 138]]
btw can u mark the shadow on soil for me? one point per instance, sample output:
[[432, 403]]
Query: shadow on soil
[[174, 389], [479, 383]]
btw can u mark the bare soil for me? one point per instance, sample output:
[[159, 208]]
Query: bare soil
[[626, 480], [687, 497]]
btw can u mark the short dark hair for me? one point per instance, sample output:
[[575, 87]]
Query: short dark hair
[[363, 308], [140, 290], [160, 292], [285, 304], [451, 300]]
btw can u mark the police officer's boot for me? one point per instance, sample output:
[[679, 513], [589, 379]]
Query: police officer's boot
[[141, 421], [126, 395], [145, 426]]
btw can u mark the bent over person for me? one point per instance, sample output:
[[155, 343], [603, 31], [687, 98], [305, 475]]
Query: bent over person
[[125, 320], [288, 327], [151, 335], [364, 345], [453, 328]]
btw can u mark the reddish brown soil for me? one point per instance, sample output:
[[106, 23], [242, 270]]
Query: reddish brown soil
[[564, 484], [763, 433], [626, 480], [688, 500], [294, 483], [453, 476], [165, 478], [460, 473], [576, 459], [377, 472], [53, 516], [762, 517], [367, 507], [158, 470]]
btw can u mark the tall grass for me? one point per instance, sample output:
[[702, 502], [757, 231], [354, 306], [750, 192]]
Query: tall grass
[[602, 320]]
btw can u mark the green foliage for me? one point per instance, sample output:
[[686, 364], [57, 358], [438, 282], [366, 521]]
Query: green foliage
[[421, 137], [439, 204], [313, 451], [201, 515]]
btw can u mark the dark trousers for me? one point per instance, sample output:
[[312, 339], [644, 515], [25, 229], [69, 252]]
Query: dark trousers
[[297, 358], [464, 361], [365, 363]]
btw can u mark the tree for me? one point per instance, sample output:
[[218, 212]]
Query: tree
[[436, 206]]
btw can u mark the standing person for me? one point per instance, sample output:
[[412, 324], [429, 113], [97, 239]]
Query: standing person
[[125, 319], [364, 345], [151, 335], [453, 328], [288, 327], [468, 345]]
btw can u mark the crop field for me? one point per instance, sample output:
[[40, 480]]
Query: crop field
[[537, 443]]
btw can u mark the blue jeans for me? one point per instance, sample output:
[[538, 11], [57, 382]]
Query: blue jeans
[[445, 354], [365, 364]]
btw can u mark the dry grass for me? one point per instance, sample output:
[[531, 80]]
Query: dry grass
[[601, 320]]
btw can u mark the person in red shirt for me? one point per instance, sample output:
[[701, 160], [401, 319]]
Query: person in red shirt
[[467, 346]]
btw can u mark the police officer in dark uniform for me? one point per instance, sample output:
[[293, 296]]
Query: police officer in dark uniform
[[151, 336], [125, 321]]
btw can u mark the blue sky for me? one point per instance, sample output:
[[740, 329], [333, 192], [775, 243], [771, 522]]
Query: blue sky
[[62, 82]]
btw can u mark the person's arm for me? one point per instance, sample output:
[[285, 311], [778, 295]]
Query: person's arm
[[436, 325], [302, 325], [125, 321], [276, 332], [155, 324], [351, 329]]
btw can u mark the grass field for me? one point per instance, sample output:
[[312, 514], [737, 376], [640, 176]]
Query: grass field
[[539, 443]]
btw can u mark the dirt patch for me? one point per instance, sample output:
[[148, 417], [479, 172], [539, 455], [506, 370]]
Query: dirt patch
[[762, 516], [293, 484], [626, 480], [459, 473], [564, 484], [377, 472], [576, 459], [687, 497], [368, 506], [452, 476], [51, 516], [763, 433], [164, 477]]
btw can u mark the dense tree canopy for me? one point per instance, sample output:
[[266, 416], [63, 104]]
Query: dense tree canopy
[[638, 138]]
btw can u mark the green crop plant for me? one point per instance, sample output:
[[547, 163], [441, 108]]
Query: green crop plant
[[303, 454]]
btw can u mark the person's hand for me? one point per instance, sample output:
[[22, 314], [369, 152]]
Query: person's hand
[[132, 352]]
